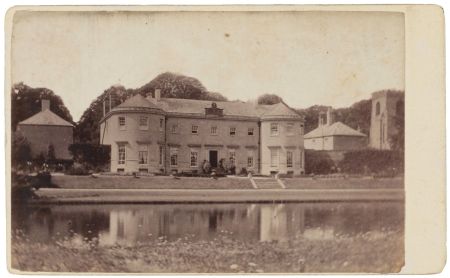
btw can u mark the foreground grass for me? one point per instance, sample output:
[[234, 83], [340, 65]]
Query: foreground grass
[[371, 252]]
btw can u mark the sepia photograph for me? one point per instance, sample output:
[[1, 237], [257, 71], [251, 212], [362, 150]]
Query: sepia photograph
[[238, 141]]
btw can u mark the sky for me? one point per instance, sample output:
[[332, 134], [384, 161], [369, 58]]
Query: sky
[[307, 58]]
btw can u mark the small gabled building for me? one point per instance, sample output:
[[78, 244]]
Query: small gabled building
[[46, 129], [334, 136]]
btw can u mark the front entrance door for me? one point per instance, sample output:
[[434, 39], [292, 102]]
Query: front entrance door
[[213, 159]]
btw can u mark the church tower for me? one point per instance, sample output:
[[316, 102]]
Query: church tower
[[386, 105]]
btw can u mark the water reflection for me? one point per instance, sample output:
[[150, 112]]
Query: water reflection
[[131, 224]]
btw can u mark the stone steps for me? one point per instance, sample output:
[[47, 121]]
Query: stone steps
[[267, 184]]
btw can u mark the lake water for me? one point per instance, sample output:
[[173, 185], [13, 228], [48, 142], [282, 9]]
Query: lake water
[[136, 224]]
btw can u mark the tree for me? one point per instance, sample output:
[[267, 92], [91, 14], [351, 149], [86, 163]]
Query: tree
[[269, 99], [26, 101], [356, 116], [174, 85], [20, 150], [171, 85], [397, 140], [311, 116], [51, 156], [88, 127]]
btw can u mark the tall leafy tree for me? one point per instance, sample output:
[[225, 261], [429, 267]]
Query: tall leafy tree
[[172, 86], [88, 127], [269, 99], [26, 101]]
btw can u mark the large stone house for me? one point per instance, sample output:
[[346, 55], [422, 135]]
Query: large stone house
[[46, 129], [334, 136], [168, 135]]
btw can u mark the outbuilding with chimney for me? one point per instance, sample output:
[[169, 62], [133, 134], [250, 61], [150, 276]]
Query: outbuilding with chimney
[[334, 136], [46, 130]]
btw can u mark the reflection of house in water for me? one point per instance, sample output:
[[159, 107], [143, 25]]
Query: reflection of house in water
[[127, 225]]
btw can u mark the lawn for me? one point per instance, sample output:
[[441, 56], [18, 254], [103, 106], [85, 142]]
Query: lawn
[[341, 183], [370, 252], [158, 182]]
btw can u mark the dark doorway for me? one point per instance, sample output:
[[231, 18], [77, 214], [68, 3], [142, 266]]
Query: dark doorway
[[213, 159]]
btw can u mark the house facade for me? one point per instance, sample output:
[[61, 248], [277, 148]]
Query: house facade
[[46, 129], [166, 135], [334, 136]]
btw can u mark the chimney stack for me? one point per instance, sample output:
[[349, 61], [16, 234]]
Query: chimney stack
[[157, 94], [45, 104], [330, 116]]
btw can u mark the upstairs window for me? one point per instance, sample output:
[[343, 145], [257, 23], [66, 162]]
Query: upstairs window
[[290, 129], [143, 122], [161, 124], [194, 129], [214, 130], [274, 129], [122, 123], [377, 109], [250, 131], [302, 129], [232, 131]]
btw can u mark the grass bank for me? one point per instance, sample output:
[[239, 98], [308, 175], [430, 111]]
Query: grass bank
[[340, 183], [372, 252], [163, 182], [158, 182]]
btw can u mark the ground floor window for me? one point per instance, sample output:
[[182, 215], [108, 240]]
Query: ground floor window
[[232, 155], [250, 162], [289, 159], [273, 157], [173, 157], [194, 158], [301, 158], [143, 154], [161, 155], [121, 151]]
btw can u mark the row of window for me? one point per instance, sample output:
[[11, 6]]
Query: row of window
[[143, 123], [274, 127], [143, 157]]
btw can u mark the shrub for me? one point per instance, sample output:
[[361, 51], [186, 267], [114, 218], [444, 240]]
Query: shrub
[[374, 162], [318, 162], [90, 155], [78, 170]]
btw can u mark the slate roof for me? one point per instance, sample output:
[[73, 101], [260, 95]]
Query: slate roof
[[197, 107], [279, 110], [334, 129], [46, 117], [137, 101]]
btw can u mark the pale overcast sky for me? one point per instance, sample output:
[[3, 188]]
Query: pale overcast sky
[[307, 58]]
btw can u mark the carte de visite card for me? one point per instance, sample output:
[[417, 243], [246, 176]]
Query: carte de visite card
[[225, 139]]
